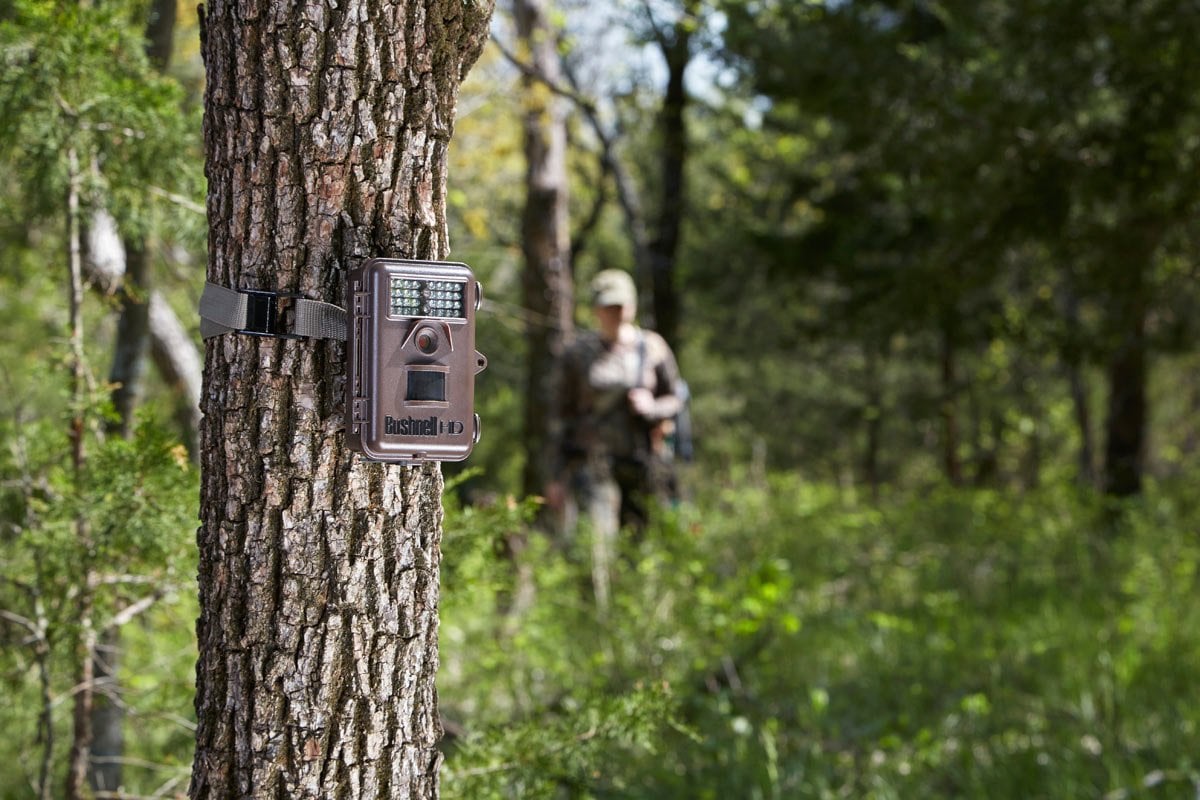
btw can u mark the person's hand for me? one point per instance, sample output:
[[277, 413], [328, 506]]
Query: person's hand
[[641, 400]]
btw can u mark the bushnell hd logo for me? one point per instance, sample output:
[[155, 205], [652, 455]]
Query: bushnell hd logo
[[410, 380], [422, 427]]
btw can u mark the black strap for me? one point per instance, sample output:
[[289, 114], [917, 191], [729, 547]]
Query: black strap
[[257, 312]]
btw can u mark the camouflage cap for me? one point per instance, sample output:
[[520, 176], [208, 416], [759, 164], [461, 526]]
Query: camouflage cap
[[613, 287]]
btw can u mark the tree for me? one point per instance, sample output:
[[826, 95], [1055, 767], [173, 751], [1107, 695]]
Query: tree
[[326, 133], [993, 145], [545, 239], [86, 125], [676, 41], [128, 365]]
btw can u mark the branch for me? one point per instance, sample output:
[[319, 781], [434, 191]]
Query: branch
[[580, 239], [659, 34], [24, 622], [627, 195], [126, 615], [177, 199], [529, 71], [126, 580]]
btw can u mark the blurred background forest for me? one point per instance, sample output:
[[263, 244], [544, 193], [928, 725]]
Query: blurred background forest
[[930, 269]]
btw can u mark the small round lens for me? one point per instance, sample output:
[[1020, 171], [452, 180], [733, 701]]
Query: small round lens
[[426, 341]]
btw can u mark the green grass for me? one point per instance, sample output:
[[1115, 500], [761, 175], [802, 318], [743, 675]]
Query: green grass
[[951, 644], [784, 640]]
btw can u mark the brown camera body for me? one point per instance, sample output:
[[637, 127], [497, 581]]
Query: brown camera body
[[410, 377]]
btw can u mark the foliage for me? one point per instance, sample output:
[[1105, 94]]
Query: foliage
[[75, 79], [115, 534], [959, 643]]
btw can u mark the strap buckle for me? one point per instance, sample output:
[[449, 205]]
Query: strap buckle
[[269, 313]]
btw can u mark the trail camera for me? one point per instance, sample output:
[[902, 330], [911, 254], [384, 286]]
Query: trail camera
[[410, 381]]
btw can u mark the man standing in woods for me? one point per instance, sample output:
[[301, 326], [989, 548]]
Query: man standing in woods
[[617, 403]]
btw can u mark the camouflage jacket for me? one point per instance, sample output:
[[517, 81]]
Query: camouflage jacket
[[594, 408]]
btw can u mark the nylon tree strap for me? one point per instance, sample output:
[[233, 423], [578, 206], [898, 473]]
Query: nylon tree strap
[[262, 313]]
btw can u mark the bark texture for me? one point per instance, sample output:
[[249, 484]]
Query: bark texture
[[326, 131], [545, 239]]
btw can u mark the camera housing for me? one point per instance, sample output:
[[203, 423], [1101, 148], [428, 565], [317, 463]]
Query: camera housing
[[410, 377]]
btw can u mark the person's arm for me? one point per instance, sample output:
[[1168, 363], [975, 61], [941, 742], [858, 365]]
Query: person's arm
[[658, 402]]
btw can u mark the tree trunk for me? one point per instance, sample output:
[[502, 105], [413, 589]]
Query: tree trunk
[[1128, 408], [873, 419], [1072, 358], [133, 337], [171, 346], [677, 50], [545, 238], [1083, 421], [950, 460], [108, 714], [326, 130], [1125, 445], [160, 33]]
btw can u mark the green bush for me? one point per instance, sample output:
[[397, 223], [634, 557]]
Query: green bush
[[952, 644]]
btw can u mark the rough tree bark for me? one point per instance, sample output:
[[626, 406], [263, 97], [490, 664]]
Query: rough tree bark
[[545, 239], [326, 131]]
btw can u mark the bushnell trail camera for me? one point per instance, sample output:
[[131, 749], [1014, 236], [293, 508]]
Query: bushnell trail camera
[[411, 360]]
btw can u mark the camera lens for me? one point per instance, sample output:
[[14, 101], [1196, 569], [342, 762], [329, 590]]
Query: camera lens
[[427, 341]]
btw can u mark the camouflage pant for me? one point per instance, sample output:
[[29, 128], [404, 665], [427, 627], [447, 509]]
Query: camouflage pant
[[613, 492], [610, 493]]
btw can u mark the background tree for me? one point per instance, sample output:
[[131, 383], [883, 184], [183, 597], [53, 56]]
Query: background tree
[[91, 127], [326, 137], [1003, 162], [548, 288], [130, 352]]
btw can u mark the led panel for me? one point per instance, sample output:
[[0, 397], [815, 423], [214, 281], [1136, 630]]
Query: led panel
[[413, 297]]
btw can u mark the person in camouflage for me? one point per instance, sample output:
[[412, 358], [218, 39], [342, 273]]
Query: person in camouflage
[[616, 403]]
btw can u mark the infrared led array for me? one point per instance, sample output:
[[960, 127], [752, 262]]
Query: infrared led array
[[421, 298]]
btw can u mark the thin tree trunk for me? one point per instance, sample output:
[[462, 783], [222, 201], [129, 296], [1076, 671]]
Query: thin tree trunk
[[160, 33], [1083, 421], [545, 237], [108, 714], [1072, 358], [1125, 446], [326, 131], [950, 460], [133, 337], [873, 419], [1128, 407], [81, 716], [664, 248]]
